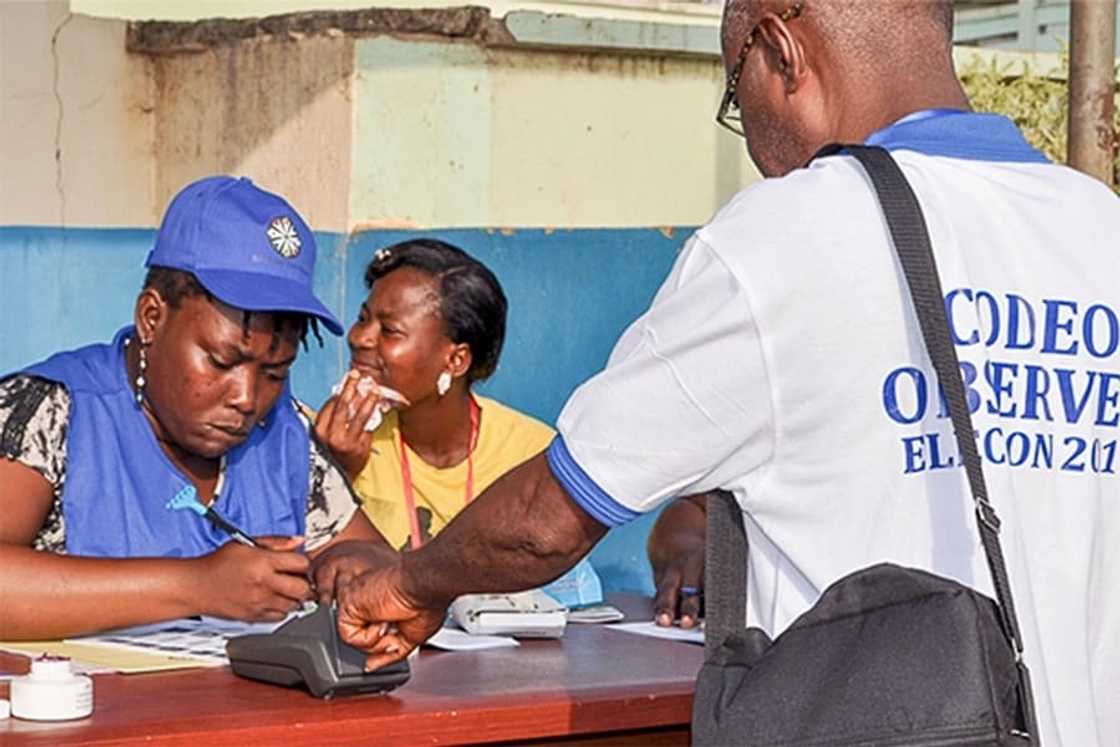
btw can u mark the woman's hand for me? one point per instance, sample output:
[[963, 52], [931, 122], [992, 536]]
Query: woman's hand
[[676, 552], [253, 584], [341, 423], [341, 563]]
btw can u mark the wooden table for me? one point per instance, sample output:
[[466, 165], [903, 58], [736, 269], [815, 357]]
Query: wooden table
[[593, 686]]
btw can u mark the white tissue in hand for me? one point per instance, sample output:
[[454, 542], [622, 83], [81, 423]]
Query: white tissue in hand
[[387, 399]]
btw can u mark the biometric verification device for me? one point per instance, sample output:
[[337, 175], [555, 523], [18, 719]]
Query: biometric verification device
[[307, 651]]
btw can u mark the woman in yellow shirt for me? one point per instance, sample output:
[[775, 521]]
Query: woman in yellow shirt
[[432, 325]]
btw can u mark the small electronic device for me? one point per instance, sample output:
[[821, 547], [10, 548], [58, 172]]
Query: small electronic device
[[527, 614], [307, 651], [598, 613]]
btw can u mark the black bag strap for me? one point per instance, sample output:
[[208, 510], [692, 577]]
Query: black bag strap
[[725, 568], [725, 571], [911, 241]]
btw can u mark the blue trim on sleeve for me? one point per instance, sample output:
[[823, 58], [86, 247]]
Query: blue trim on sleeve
[[583, 490], [958, 134]]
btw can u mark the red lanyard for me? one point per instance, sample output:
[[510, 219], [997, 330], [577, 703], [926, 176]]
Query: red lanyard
[[406, 477]]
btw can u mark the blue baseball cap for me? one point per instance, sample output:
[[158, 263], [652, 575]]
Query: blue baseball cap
[[248, 247]]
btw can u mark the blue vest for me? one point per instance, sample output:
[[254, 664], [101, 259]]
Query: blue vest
[[118, 479]]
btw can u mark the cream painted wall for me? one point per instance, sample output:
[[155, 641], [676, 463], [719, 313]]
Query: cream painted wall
[[84, 98], [427, 133], [459, 135], [193, 10], [374, 131], [279, 111], [609, 140]]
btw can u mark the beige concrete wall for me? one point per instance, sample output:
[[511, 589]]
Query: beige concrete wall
[[583, 139], [423, 131], [277, 110], [360, 130], [379, 130], [75, 120], [663, 11], [461, 135]]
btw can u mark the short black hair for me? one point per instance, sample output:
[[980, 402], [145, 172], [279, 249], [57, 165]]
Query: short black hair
[[175, 285], [471, 301]]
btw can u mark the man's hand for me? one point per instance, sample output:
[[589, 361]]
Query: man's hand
[[343, 562], [521, 532], [341, 423], [376, 615], [253, 584], [680, 583], [676, 552]]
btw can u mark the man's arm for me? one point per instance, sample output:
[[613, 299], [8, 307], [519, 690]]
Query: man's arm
[[674, 411], [526, 533], [351, 552], [522, 532]]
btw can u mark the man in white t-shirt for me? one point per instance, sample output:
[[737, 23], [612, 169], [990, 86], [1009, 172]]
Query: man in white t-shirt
[[781, 360]]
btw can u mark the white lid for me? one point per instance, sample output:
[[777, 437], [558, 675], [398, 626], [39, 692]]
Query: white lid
[[5, 709], [51, 668]]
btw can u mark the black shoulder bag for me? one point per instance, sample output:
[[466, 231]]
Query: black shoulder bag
[[888, 655]]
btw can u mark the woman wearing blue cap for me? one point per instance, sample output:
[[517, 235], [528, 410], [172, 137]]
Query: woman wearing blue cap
[[130, 466]]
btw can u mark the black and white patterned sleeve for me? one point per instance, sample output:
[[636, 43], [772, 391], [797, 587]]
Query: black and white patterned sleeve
[[34, 414], [331, 502]]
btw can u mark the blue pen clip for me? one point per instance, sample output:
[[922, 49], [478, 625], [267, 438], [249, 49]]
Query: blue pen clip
[[187, 498]]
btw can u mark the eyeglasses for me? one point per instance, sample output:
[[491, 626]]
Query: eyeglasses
[[729, 115]]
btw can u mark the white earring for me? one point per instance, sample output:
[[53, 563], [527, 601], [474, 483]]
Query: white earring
[[141, 381], [443, 383]]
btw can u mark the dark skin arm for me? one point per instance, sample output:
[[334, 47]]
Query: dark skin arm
[[521, 532], [676, 552], [355, 549], [50, 596]]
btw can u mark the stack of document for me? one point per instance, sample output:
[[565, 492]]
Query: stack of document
[[174, 644]]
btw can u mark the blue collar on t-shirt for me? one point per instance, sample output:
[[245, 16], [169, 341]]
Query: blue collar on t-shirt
[[958, 134]]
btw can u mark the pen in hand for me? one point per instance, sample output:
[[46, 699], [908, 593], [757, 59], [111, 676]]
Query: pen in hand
[[188, 498]]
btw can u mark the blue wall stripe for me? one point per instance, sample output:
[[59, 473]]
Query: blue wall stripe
[[571, 293]]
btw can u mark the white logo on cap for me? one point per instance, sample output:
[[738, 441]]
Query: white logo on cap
[[283, 236]]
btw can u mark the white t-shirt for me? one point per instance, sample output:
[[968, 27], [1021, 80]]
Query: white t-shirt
[[782, 360]]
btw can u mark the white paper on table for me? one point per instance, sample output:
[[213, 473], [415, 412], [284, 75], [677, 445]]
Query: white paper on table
[[453, 639], [237, 627], [201, 640], [652, 629]]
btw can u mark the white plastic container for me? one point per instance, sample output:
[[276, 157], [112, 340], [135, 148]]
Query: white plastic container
[[51, 692]]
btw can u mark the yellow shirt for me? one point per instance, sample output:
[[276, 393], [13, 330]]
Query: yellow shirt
[[506, 438]]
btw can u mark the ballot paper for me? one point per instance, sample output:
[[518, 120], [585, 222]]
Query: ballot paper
[[173, 644], [82, 659], [454, 639], [187, 639], [97, 658], [652, 629]]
